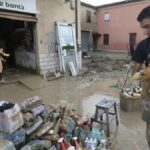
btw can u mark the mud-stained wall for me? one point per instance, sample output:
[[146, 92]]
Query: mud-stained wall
[[26, 59], [50, 11]]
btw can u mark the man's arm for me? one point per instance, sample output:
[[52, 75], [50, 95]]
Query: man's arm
[[136, 68]]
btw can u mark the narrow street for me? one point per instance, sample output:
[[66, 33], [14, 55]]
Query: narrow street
[[83, 93], [67, 76]]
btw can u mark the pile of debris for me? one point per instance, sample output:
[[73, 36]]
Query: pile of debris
[[31, 125], [104, 64], [98, 68]]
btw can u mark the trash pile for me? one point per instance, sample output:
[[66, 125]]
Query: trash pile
[[132, 92], [31, 125]]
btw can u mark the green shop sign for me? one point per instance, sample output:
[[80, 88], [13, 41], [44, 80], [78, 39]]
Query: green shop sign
[[19, 5]]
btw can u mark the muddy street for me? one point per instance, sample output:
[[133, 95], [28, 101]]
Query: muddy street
[[83, 93]]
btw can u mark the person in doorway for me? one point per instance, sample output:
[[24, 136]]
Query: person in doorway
[[140, 56], [3, 57]]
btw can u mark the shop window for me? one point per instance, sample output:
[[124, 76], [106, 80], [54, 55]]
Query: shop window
[[106, 39], [106, 17], [88, 16]]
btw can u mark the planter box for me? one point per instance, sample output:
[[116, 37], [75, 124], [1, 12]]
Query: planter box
[[130, 104]]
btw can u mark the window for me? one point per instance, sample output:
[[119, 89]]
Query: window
[[88, 16], [106, 39], [106, 17], [94, 18], [72, 3]]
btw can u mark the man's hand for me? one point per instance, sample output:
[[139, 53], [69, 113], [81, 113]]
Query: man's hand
[[137, 76], [136, 68]]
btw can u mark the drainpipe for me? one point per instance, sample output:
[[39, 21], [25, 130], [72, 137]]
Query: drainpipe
[[76, 21]]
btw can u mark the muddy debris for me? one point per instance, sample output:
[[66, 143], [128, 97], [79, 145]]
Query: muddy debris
[[27, 126], [103, 64], [98, 68]]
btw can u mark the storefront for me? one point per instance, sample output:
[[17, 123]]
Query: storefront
[[17, 32], [28, 32]]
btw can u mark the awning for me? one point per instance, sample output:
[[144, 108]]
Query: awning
[[17, 16]]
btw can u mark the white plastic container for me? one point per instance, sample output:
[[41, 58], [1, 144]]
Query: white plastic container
[[11, 119], [6, 145]]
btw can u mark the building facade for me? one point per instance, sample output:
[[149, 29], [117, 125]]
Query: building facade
[[89, 34], [28, 31], [118, 27]]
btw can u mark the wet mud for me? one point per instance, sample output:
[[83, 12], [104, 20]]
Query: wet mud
[[83, 92]]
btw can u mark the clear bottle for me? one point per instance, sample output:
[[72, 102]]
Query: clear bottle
[[94, 144], [91, 143], [103, 136], [86, 143]]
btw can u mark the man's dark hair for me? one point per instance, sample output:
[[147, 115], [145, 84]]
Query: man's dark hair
[[145, 13]]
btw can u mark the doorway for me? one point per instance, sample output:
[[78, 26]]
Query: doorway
[[17, 38], [132, 42], [95, 40], [85, 40]]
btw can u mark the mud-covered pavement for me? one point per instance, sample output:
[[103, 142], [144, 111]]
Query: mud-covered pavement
[[83, 92]]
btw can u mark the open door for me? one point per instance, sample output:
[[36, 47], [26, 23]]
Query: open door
[[132, 43], [67, 46]]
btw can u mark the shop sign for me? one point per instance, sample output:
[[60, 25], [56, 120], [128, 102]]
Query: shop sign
[[28, 6]]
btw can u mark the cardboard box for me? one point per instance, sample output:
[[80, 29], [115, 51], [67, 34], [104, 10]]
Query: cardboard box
[[11, 119], [130, 104]]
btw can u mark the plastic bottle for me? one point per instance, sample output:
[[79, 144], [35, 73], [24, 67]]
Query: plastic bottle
[[95, 142], [103, 134], [86, 142], [90, 143]]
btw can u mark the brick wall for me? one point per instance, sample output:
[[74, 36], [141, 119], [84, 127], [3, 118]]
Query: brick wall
[[49, 62]]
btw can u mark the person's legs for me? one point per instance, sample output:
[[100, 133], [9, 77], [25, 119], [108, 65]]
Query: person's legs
[[148, 133]]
